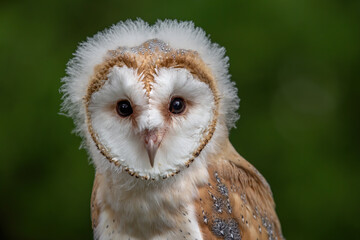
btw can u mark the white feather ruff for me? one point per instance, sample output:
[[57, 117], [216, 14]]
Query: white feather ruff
[[181, 35]]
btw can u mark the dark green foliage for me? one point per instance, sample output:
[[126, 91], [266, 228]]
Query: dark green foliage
[[297, 67]]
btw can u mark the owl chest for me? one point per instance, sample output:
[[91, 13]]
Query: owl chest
[[156, 223]]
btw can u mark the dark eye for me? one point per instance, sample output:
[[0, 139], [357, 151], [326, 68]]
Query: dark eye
[[124, 108], [177, 105]]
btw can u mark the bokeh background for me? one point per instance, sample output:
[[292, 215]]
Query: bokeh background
[[297, 67]]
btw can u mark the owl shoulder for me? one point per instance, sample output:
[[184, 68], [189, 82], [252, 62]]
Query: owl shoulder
[[237, 202]]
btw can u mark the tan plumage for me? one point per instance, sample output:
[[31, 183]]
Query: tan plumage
[[236, 193]]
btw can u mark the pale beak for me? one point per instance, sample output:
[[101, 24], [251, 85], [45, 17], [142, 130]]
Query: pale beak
[[152, 141]]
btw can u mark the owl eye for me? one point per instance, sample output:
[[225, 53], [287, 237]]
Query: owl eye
[[177, 105], [124, 108]]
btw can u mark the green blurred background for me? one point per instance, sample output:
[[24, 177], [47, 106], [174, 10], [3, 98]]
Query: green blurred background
[[297, 67]]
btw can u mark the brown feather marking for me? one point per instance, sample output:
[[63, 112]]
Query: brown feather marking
[[95, 207], [233, 180]]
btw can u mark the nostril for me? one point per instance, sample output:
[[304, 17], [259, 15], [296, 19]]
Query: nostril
[[153, 137], [147, 138]]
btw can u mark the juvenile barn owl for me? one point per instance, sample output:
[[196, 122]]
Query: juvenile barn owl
[[154, 105]]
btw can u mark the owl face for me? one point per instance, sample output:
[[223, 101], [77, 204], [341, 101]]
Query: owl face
[[149, 109], [150, 112]]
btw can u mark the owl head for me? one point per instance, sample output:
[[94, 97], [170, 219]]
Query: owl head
[[150, 100]]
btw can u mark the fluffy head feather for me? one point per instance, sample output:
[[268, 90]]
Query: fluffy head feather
[[149, 66]]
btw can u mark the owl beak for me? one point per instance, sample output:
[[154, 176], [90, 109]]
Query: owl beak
[[151, 149], [152, 143]]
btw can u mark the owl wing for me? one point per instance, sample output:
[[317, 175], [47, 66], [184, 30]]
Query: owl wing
[[237, 202]]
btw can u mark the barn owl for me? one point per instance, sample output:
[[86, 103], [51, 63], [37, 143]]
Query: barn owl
[[154, 106]]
